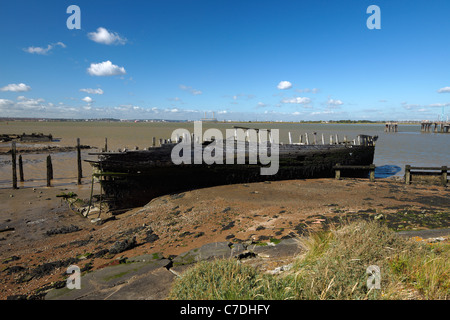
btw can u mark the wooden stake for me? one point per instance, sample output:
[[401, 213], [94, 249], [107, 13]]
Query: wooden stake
[[14, 169], [49, 171], [21, 169], [444, 175], [407, 174], [80, 170]]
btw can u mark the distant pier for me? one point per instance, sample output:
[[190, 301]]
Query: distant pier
[[435, 126], [391, 127]]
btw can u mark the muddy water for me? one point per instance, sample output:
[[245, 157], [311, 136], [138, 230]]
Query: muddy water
[[393, 150]]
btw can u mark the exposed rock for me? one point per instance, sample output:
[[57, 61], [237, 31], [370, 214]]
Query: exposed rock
[[120, 246]]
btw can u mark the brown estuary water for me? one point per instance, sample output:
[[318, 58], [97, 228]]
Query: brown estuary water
[[392, 152]]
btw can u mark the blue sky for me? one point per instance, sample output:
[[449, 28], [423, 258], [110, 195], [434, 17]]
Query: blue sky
[[243, 60]]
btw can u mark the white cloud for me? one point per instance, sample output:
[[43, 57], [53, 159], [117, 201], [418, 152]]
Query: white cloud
[[296, 100], [87, 99], [283, 85], [105, 68], [261, 105], [92, 91], [106, 37], [44, 51], [444, 90], [334, 103], [193, 91], [308, 90], [21, 87]]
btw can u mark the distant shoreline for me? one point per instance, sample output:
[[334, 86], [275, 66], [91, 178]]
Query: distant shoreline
[[404, 122]]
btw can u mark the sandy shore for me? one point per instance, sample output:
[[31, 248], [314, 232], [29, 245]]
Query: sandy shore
[[32, 256]]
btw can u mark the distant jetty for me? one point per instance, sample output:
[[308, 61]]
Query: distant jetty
[[435, 126], [213, 119]]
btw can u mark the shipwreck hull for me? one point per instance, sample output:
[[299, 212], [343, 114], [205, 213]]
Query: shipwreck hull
[[133, 178]]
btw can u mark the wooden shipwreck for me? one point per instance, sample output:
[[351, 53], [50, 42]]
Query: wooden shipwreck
[[133, 178]]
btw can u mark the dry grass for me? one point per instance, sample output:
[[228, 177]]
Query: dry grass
[[334, 266]]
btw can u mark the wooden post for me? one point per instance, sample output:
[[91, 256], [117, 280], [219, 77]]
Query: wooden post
[[21, 169], [153, 142], [106, 144], [14, 169], [372, 173], [306, 137], [290, 138], [337, 139], [49, 170], [407, 174], [80, 170], [338, 171], [444, 175], [315, 137]]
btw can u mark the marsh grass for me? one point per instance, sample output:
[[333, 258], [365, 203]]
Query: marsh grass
[[333, 266]]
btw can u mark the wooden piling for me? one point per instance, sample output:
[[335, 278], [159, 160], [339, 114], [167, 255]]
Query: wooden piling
[[338, 172], [49, 171], [153, 142], [306, 137], [21, 169], [444, 175], [372, 173], [14, 168], [80, 169], [407, 174], [106, 144]]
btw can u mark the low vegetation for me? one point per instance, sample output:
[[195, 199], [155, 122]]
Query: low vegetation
[[333, 266]]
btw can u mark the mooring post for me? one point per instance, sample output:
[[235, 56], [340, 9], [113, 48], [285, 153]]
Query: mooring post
[[323, 139], [80, 170], [49, 170], [407, 174], [21, 169], [315, 137], [106, 144], [306, 137], [153, 142], [338, 171], [290, 138], [444, 175], [372, 173], [337, 139], [160, 141], [14, 169]]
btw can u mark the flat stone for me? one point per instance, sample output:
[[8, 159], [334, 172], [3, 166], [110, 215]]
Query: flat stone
[[206, 252], [154, 285], [97, 284], [286, 247]]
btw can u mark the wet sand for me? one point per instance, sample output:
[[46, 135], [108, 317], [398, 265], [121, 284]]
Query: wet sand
[[173, 224]]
